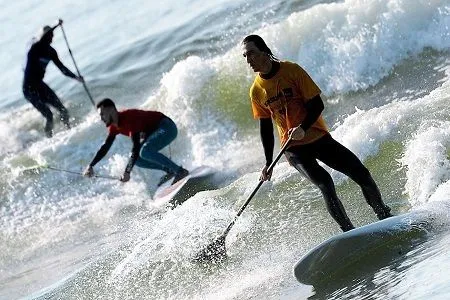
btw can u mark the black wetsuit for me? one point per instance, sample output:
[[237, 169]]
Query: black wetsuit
[[39, 94], [332, 153]]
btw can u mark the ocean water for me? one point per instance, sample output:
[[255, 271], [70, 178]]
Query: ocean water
[[383, 67]]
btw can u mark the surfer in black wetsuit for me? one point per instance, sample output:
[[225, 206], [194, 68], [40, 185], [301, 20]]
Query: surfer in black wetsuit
[[39, 94], [283, 91]]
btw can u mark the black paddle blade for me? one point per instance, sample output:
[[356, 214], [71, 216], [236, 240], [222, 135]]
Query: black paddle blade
[[215, 252]]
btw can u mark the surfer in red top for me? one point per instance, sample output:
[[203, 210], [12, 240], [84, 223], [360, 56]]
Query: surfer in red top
[[150, 131]]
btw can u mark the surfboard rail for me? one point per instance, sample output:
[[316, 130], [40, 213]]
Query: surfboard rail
[[377, 242]]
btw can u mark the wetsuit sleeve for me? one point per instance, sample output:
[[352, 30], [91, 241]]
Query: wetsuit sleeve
[[60, 65], [267, 138], [314, 108], [136, 138], [103, 149]]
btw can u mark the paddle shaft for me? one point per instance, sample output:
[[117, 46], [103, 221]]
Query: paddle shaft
[[76, 67], [269, 169], [79, 173]]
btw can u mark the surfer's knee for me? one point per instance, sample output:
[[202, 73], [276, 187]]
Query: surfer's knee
[[146, 151]]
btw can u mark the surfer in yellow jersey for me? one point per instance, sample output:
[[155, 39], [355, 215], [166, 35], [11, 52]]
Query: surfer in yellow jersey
[[283, 92]]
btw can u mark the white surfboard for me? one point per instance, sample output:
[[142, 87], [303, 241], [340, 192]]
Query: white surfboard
[[185, 188], [374, 243]]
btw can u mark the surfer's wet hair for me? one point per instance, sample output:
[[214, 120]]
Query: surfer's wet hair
[[260, 44], [106, 103]]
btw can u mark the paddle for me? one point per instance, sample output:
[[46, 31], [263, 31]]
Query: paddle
[[76, 67], [71, 172], [216, 250]]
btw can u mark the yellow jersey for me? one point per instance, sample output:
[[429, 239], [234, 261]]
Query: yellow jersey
[[283, 97]]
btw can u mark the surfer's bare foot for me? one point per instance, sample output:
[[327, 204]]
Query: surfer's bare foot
[[384, 215], [347, 227], [180, 175], [384, 212]]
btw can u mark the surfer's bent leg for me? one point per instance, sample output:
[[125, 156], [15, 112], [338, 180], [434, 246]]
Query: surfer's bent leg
[[343, 160], [53, 100], [150, 158], [34, 94], [300, 158]]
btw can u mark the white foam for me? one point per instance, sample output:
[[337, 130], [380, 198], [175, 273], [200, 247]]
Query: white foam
[[427, 157], [421, 125], [351, 45], [19, 129], [207, 134], [346, 46], [197, 224], [51, 202], [427, 163]]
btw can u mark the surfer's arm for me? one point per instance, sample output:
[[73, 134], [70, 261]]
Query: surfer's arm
[[268, 141], [314, 108], [267, 138], [103, 150], [99, 155], [63, 68], [136, 138]]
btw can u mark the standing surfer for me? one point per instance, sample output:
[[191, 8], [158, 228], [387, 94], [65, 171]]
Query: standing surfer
[[283, 92], [35, 90]]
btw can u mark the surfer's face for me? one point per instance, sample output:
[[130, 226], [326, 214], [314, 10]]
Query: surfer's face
[[107, 114], [256, 58], [48, 37]]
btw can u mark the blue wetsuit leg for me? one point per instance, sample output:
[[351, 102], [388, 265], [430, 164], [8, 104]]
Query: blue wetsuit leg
[[149, 157]]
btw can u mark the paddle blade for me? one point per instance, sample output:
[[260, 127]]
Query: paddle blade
[[214, 252], [31, 170]]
